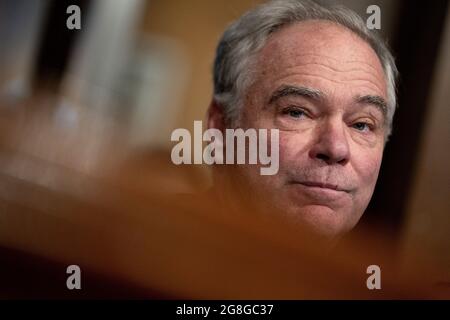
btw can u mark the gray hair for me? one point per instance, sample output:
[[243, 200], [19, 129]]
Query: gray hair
[[246, 36]]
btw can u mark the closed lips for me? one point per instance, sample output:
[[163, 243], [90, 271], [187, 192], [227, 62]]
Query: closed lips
[[322, 185]]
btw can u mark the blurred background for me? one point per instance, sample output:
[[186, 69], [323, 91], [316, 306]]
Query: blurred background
[[86, 117]]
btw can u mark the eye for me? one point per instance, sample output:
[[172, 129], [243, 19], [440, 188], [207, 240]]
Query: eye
[[294, 112], [361, 126]]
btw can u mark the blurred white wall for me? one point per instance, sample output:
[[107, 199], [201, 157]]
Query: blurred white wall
[[102, 52], [122, 73]]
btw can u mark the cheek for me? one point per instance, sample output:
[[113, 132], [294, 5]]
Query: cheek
[[367, 166], [293, 148]]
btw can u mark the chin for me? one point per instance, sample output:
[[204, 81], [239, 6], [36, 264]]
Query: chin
[[322, 220]]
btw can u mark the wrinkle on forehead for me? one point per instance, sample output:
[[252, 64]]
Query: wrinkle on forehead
[[338, 77], [315, 58], [321, 48]]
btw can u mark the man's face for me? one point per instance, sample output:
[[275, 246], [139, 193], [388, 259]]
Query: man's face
[[323, 88]]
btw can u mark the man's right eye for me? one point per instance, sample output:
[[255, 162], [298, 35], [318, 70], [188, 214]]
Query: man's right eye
[[294, 112]]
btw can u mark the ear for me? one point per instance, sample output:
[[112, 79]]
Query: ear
[[215, 116]]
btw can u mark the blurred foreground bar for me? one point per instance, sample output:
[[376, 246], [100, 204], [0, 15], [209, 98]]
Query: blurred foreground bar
[[85, 197]]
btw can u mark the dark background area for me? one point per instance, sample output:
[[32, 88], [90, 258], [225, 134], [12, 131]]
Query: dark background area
[[415, 47]]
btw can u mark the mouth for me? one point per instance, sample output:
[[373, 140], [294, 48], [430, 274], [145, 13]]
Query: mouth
[[321, 185], [324, 192]]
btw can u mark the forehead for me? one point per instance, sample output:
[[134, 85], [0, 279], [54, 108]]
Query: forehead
[[321, 52]]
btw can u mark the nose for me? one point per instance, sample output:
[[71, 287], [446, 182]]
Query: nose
[[331, 145]]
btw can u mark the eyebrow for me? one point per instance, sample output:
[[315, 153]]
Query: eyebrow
[[376, 101], [315, 94], [287, 90]]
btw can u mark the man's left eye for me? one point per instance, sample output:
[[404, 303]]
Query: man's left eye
[[361, 126], [296, 113]]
